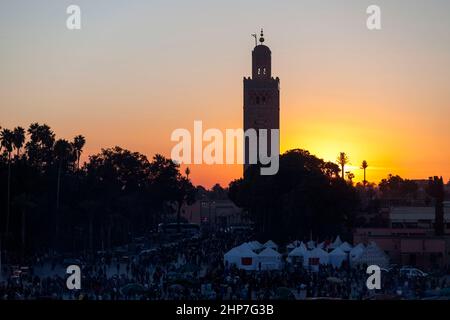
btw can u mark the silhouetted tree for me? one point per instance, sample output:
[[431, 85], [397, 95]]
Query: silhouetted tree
[[217, 193], [164, 175], [18, 139], [40, 146], [350, 176], [185, 194], [63, 152], [78, 145], [342, 160], [364, 166], [302, 197], [395, 187], [7, 142], [114, 195]]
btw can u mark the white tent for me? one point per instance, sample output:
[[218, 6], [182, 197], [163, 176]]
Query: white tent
[[356, 252], [373, 255], [337, 257], [346, 247], [315, 257], [242, 257], [255, 245], [298, 254], [258, 244], [271, 244], [310, 244], [294, 244], [247, 246], [325, 245], [291, 246], [233, 256], [300, 251], [337, 242], [302, 245], [269, 259]]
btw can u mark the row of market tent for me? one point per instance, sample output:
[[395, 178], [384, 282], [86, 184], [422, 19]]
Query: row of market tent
[[256, 256]]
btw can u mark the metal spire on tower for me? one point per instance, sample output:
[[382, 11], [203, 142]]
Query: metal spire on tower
[[261, 39], [256, 38]]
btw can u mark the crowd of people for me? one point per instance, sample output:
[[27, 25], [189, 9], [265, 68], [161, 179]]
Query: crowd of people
[[193, 269]]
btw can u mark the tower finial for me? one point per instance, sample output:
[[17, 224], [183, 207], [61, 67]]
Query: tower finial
[[261, 40], [256, 38]]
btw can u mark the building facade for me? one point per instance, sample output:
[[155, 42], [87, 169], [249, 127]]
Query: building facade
[[213, 214], [409, 237]]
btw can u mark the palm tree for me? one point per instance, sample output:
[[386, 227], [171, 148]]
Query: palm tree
[[40, 146], [7, 137], [18, 139], [342, 160], [364, 166], [63, 151], [188, 172], [78, 144]]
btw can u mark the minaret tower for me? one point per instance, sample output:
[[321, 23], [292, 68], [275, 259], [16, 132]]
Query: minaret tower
[[261, 95]]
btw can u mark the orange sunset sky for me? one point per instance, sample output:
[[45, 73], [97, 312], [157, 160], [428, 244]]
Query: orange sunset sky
[[137, 70]]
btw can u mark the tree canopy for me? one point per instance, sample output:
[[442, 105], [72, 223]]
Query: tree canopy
[[305, 196], [48, 196]]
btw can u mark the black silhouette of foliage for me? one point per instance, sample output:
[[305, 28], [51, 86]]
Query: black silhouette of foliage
[[395, 187], [48, 199], [306, 195]]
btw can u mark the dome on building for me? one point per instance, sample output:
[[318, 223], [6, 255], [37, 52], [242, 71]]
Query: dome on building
[[261, 49]]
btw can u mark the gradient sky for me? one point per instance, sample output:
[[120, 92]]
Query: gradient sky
[[140, 69]]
